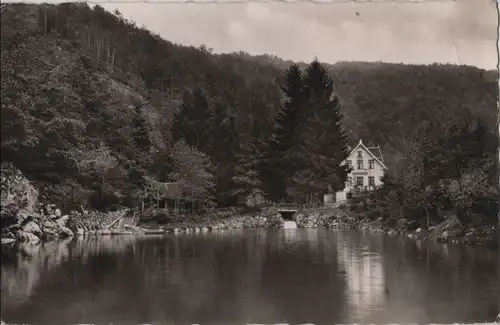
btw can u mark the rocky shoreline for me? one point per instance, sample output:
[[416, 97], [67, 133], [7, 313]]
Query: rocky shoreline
[[50, 224], [231, 219], [448, 231]]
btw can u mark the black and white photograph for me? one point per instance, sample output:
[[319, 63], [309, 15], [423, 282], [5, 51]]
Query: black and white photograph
[[263, 162]]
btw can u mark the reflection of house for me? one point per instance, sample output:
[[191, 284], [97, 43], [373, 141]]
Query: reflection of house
[[368, 168], [365, 277]]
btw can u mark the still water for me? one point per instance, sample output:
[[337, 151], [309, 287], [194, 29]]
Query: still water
[[249, 276]]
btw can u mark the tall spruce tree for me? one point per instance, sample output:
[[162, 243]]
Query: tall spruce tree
[[323, 142], [279, 161]]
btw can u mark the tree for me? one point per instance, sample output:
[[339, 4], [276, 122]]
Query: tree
[[193, 169], [279, 163], [464, 161], [140, 151], [246, 182], [323, 143], [100, 163]]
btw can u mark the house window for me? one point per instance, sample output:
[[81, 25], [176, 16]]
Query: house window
[[359, 181], [360, 164], [349, 181], [360, 154], [371, 163], [371, 181], [349, 163]]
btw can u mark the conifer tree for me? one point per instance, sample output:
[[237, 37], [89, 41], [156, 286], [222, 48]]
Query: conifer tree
[[279, 160], [323, 143]]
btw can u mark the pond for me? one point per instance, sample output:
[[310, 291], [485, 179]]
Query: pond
[[246, 276]]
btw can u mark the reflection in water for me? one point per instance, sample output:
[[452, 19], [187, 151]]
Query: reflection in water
[[248, 276], [288, 224], [364, 273]]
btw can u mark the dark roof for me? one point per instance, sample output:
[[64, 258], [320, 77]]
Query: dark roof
[[376, 152]]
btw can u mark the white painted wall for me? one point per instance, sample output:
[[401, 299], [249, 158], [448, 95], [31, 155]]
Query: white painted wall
[[365, 172]]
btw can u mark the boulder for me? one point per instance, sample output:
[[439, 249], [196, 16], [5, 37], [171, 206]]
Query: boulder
[[49, 224], [8, 240], [452, 224], [32, 227], [29, 237], [65, 232], [62, 221], [50, 233]]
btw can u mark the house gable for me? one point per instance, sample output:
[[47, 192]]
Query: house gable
[[377, 156]]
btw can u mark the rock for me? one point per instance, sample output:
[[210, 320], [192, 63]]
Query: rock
[[421, 233], [50, 233], [402, 223], [17, 192], [470, 232], [62, 221], [32, 227], [452, 223], [392, 232], [49, 224], [7, 241], [29, 237], [65, 232]]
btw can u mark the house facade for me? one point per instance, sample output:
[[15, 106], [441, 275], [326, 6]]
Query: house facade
[[368, 168]]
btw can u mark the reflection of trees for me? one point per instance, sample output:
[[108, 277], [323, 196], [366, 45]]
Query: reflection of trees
[[251, 276], [448, 283], [298, 282], [213, 278]]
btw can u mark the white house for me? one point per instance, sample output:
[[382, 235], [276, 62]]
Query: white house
[[368, 168]]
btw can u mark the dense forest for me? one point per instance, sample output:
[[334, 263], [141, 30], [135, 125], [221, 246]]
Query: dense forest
[[95, 109]]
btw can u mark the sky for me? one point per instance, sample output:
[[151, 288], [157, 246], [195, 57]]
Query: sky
[[399, 31], [458, 32]]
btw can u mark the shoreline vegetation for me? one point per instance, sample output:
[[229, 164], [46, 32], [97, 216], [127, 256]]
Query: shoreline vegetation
[[37, 223], [101, 117]]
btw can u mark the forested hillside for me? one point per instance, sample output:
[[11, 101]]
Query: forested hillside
[[90, 106]]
